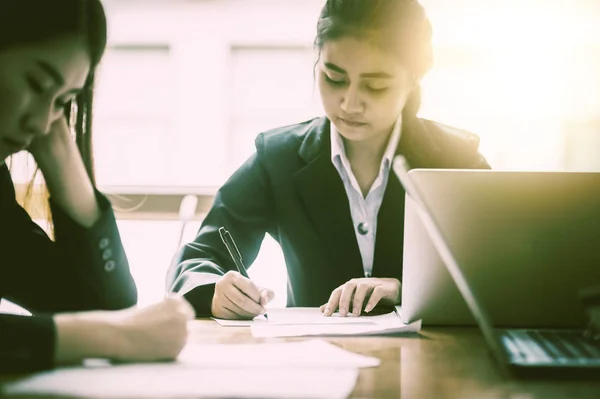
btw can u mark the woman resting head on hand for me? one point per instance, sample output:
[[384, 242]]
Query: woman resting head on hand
[[78, 286]]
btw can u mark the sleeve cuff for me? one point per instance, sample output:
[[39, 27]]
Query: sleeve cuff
[[201, 299], [28, 343], [100, 250]]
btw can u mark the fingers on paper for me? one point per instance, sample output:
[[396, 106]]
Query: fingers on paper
[[332, 304], [361, 294], [376, 296]]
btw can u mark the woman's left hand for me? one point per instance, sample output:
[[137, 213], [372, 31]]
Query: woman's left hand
[[353, 294], [64, 171], [49, 146]]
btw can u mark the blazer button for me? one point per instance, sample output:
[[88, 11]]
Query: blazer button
[[104, 243], [107, 254], [363, 228], [110, 266]]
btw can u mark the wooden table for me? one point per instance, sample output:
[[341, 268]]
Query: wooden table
[[437, 363]]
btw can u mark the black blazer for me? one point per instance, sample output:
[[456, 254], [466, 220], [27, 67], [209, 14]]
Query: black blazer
[[290, 189], [83, 269]]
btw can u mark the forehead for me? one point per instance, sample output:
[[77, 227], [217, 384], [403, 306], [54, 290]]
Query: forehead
[[68, 55], [357, 55]]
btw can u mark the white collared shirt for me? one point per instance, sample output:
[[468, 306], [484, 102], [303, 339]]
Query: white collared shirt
[[364, 210]]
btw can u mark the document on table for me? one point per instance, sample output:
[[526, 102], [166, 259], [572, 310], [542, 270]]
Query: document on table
[[306, 369], [156, 381], [301, 322], [333, 330], [313, 353]]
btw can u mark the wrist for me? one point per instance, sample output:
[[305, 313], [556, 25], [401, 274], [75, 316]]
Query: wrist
[[51, 148], [66, 177], [86, 335]]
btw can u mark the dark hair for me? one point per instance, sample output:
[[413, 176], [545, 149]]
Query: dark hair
[[24, 22], [400, 25]]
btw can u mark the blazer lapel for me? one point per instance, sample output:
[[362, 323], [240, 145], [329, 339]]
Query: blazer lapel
[[390, 231], [324, 197], [418, 149]]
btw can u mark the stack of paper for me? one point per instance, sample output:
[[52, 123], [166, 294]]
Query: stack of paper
[[299, 322], [308, 369]]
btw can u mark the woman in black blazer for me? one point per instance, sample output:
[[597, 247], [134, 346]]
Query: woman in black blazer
[[323, 188], [48, 51]]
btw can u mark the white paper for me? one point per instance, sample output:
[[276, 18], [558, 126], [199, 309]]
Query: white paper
[[305, 369], [182, 381], [233, 323], [312, 354], [332, 330], [303, 322], [306, 316]]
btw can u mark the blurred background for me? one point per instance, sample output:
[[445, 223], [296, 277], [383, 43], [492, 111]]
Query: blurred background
[[186, 85]]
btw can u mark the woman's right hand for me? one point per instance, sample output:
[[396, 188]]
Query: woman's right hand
[[237, 297], [156, 332]]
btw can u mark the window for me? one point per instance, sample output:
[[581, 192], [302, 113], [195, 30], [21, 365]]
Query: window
[[520, 89], [134, 117], [272, 87]]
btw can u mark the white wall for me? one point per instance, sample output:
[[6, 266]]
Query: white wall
[[201, 36]]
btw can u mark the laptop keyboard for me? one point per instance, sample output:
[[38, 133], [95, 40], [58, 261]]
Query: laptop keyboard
[[551, 347]]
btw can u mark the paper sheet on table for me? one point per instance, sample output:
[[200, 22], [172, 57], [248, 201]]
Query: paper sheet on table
[[296, 316], [334, 330], [313, 354], [301, 322], [307, 369], [181, 381]]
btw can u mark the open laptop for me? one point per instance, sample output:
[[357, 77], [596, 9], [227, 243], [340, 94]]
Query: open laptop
[[495, 226], [526, 241]]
